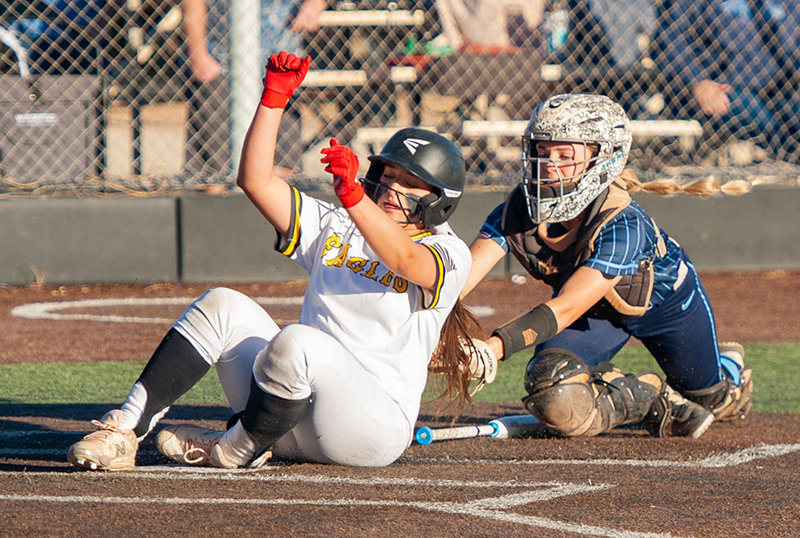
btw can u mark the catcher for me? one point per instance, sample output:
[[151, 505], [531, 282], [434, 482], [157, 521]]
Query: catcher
[[615, 275]]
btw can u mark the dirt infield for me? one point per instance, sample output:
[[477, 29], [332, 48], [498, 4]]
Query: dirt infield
[[739, 480]]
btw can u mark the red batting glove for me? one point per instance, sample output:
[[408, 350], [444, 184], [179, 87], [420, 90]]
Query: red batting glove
[[285, 73], [343, 164]]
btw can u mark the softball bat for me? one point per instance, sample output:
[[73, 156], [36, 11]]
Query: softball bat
[[501, 428]]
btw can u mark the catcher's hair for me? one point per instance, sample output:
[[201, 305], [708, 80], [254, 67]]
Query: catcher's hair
[[452, 363], [708, 186]]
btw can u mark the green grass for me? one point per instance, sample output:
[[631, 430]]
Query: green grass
[[87, 383], [776, 371]]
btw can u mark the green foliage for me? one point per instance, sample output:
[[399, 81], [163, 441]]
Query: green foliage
[[776, 371]]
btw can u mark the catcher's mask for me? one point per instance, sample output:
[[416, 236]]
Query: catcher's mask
[[590, 120], [430, 157]]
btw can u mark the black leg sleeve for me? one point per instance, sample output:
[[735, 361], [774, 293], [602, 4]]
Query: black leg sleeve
[[174, 368], [266, 418]]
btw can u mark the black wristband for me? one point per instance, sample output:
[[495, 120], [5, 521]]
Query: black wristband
[[535, 327]]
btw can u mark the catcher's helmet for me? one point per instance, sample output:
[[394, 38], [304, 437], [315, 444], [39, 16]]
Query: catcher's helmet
[[432, 158], [574, 118]]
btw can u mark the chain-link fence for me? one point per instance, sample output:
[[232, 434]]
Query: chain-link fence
[[141, 96]]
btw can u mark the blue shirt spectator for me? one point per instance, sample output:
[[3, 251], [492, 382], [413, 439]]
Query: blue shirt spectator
[[65, 36], [738, 61]]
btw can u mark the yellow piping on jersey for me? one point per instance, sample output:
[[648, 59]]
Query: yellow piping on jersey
[[294, 232], [437, 288]]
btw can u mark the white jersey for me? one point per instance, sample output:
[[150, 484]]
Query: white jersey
[[391, 326]]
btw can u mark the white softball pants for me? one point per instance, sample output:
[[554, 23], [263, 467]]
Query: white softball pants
[[351, 422]]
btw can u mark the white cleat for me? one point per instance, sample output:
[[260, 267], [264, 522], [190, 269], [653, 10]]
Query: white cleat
[[107, 449]]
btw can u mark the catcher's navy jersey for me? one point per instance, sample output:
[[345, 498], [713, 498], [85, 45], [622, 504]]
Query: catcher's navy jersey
[[625, 240]]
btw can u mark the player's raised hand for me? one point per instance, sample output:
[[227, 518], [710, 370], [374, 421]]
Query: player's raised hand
[[343, 164], [285, 73]]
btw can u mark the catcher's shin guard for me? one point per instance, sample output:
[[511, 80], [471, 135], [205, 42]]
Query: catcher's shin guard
[[730, 398], [572, 399]]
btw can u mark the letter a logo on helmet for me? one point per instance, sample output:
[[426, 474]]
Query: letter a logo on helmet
[[432, 158], [413, 143]]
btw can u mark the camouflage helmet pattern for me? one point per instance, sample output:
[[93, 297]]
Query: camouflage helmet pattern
[[574, 118]]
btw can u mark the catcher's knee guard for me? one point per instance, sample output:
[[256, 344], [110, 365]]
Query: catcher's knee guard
[[730, 398], [571, 399]]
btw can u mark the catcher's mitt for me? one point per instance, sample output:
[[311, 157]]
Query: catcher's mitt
[[482, 362]]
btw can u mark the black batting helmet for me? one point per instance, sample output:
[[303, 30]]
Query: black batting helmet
[[432, 158]]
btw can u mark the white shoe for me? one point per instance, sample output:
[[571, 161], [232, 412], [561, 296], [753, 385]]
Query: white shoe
[[191, 445], [107, 449], [219, 458]]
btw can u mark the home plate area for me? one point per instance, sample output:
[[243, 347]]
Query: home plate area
[[623, 484]]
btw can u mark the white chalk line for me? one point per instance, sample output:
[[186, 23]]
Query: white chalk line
[[263, 474], [716, 461], [487, 508], [53, 310]]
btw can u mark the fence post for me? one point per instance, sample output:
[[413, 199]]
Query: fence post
[[246, 64]]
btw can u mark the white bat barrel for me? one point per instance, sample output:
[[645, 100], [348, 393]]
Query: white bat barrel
[[512, 426]]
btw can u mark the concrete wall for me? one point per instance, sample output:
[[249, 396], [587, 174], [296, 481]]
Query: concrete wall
[[759, 230], [95, 240], [219, 238]]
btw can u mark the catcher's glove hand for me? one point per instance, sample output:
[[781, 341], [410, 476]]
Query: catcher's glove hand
[[482, 362]]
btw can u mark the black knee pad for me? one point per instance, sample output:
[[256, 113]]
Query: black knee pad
[[552, 366]]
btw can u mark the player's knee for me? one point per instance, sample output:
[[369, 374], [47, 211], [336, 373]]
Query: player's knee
[[559, 393], [218, 301], [281, 368]]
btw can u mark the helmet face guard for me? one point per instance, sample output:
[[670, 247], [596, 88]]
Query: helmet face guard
[[573, 119], [414, 206], [430, 157]]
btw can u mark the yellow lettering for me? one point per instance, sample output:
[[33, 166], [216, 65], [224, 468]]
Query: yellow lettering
[[387, 279], [356, 264], [371, 271], [400, 284], [338, 261], [334, 241]]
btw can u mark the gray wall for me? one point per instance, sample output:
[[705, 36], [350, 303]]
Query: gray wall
[[219, 238], [88, 240], [759, 230]]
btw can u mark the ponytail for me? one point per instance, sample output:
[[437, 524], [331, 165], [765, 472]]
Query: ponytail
[[450, 364], [708, 186]]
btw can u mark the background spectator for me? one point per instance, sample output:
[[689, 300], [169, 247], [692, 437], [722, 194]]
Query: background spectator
[[606, 44], [207, 32], [491, 25], [737, 60]]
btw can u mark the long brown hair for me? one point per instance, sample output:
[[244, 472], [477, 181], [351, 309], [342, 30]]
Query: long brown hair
[[450, 364]]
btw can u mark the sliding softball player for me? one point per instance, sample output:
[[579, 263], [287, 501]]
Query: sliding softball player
[[344, 384]]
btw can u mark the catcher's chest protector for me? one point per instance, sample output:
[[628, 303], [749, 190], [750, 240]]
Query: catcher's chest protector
[[554, 259]]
